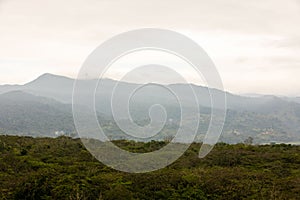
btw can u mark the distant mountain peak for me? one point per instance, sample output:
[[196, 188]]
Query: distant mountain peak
[[48, 79], [51, 76]]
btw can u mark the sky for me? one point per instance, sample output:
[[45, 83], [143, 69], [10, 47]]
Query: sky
[[255, 44]]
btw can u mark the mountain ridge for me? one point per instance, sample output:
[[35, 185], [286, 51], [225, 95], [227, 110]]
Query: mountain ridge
[[61, 88], [46, 102]]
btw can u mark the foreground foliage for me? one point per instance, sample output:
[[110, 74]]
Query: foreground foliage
[[61, 168]]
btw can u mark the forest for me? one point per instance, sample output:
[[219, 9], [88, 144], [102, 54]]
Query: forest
[[62, 168]]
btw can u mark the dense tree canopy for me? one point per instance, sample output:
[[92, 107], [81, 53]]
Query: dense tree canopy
[[61, 168]]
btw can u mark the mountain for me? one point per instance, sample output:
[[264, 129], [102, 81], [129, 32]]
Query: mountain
[[60, 88], [25, 114], [43, 107], [292, 99]]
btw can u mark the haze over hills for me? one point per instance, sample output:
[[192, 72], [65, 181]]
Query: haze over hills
[[25, 114], [43, 107], [60, 88]]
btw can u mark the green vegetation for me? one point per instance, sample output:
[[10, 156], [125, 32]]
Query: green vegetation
[[61, 168]]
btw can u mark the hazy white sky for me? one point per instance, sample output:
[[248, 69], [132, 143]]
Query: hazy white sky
[[254, 44]]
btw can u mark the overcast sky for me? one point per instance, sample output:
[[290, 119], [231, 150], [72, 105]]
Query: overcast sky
[[254, 44]]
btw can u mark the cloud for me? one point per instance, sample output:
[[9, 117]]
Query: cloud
[[290, 42], [256, 37]]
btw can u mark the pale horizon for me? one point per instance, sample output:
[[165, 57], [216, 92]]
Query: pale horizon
[[254, 45]]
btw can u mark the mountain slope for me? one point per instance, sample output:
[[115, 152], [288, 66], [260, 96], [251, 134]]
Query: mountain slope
[[25, 114], [43, 107], [60, 88]]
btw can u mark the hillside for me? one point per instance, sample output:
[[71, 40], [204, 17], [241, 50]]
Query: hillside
[[25, 114], [60, 88], [62, 168], [43, 107]]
